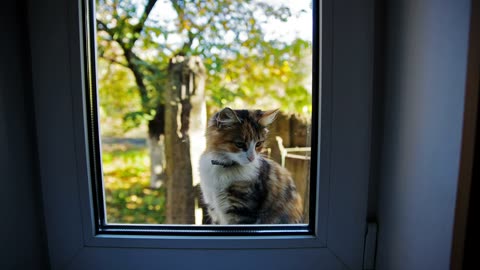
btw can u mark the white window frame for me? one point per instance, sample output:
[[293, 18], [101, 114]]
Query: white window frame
[[346, 38]]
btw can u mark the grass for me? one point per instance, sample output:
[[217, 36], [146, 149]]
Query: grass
[[129, 198]]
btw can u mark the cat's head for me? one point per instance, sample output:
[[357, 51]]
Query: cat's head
[[239, 135]]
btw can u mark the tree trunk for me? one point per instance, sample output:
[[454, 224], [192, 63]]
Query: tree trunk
[[156, 147], [185, 76], [155, 139]]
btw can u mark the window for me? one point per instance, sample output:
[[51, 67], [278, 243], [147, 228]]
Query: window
[[236, 56], [336, 242]]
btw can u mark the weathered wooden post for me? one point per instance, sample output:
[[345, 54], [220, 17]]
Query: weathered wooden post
[[186, 76]]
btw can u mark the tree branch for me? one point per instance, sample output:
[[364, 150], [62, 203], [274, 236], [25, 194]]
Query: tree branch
[[103, 26], [178, 8], [111, 60], [132, 60], [146, 13], [139, 26]]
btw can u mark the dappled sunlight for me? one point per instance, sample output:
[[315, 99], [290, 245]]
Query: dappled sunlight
[[129, 198]]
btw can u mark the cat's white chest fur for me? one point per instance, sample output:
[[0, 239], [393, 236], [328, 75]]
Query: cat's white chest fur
[[215, 179]]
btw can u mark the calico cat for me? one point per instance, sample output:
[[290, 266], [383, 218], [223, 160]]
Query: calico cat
[[238, 184]]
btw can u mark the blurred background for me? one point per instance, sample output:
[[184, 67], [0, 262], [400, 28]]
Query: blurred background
[[165, 66]]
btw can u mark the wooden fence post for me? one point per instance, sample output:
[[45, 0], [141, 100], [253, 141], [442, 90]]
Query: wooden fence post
[[185, 76]]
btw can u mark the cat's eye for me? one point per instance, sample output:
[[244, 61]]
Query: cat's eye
[[240, 145], [258, 144]]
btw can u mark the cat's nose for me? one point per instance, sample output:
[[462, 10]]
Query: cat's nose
[[251, 158]]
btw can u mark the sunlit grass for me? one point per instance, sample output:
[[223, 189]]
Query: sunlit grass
[[129, 198]]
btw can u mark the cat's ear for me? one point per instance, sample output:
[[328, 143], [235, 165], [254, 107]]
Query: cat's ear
[[226, 117], [268, 117]]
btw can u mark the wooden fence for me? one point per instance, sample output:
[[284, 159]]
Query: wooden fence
[[289, 143]]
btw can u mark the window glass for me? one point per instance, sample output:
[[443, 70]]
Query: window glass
[[205, 111]]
